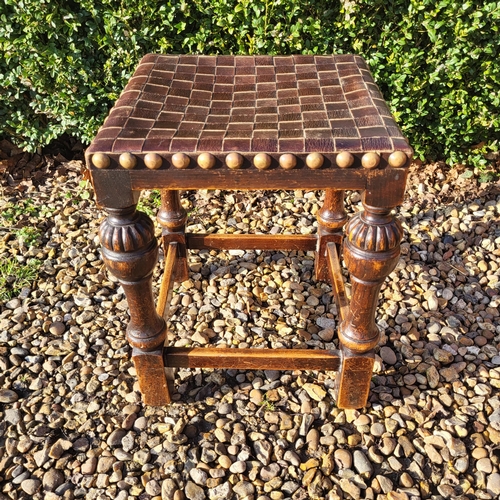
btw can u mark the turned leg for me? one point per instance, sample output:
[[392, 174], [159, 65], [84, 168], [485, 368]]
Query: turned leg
[[331, 219], [172, 217], [371, 252], [130, 252]]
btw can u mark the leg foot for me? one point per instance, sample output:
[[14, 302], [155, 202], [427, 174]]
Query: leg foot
[[353, 379], [151, 376]]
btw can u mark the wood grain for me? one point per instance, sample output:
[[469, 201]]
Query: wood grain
[[337, 280], [385, 188], [251, 241], [151, 377], [252, 359], [248, 178], [167, 281], [353, 381]]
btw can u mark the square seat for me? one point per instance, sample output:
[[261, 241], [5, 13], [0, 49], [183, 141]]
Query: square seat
[[251, 122], [186, 114]]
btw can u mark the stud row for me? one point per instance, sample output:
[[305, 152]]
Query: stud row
[[262, 161]]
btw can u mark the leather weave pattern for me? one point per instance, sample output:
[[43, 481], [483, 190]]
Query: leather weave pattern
[[250, 104]]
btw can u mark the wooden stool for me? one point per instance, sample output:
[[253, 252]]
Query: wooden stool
[[251, 122]]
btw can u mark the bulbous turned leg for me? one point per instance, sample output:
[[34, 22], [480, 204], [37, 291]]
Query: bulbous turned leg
[[371, 252], [130, 252], [331, 219], [172, 217]]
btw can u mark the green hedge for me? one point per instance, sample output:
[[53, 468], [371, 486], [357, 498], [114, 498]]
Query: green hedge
[[437, 62]]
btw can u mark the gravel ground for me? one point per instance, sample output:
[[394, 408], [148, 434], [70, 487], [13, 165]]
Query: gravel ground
[[71, 421]]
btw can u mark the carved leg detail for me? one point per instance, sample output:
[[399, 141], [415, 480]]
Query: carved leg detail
[[130, 252], [371, 252], [331, 219], [172, 218]]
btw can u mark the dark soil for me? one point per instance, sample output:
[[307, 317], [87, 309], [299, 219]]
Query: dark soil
[[18, 166]]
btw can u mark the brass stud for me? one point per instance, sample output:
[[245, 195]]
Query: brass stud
[[153, 161], [315, 160], [127, 160], [288, 161], [344, 159], [370, 160], [262, 161], [206, 161], [180, 160], [397, 159], [100, 160], [234, 161]]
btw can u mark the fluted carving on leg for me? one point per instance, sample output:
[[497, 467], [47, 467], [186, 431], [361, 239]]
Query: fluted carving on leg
[[371, 252], [130, 252], [374, 230]]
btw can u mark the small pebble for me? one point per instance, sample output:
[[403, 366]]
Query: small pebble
[[8, 396], [388, 355]]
